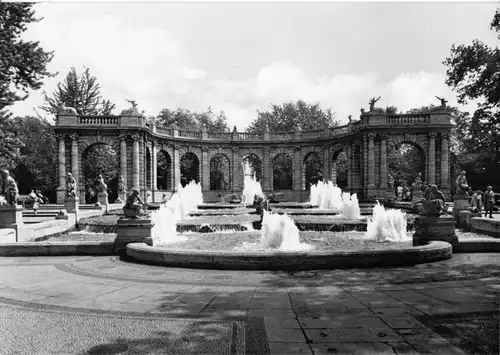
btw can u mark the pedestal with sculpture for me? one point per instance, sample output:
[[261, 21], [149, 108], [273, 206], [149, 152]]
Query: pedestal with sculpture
[[11, 214], [461, 197], [71, 200], [433, 223], [136, 226], [417, 193], [102, 191]]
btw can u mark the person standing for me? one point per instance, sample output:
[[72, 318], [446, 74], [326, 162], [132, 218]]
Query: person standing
[[477, 201], [489, 201]]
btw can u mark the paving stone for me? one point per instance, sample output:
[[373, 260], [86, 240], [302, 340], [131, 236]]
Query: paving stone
[[281, 322], [396, 311], [326, 335], [290, 349], [285, 335], [402, 322], [343, 322], [372, 348]]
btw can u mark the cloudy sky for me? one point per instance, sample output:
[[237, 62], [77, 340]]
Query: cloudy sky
[[240, 57]]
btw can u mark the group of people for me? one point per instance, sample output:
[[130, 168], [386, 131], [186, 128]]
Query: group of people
[[487, 200]]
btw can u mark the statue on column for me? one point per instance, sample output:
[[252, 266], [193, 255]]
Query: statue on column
[[70, 186], [417, 185], [390, 181], [121, 184], [8, 188], [462, 185], [443, 101], [433, 203]]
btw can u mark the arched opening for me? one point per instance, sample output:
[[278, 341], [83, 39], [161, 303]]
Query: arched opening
[[340, 169], [100, 159], [24, 179], [282, 172], [405, 161], [219, 172], [255, 165], [164, 179], [313, 169], [190, 167]]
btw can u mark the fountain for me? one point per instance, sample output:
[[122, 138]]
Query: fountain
[[251, 186], [350, 206], [387, 225], [280, 232], [184, 201], [326, 195]]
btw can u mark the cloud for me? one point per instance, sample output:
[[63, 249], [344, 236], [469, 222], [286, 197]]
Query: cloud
[[151, 66]]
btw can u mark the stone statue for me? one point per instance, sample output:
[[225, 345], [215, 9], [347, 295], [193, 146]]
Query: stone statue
[[417, 185], [372, 103], [134, 206], [234, 129], [390, 181], [443, 101], [462, 186], [350, 119], [133, 103], [70, 186], [8, 188], [63, 109], [363, 112], [432, 205], [133, 111], [121, 184], [101, 185]]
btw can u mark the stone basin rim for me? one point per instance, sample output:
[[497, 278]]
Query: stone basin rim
[[255, 260]]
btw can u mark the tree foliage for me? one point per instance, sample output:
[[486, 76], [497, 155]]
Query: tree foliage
[[473, 71], [219, 173], [10, 143], [22, 64], [186, 119], [405, 162], [101, 159], [282, 172], [291, 116], [83, 93], [313, 167]]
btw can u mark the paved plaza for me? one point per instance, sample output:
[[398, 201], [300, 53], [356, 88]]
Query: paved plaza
[[106, 305]]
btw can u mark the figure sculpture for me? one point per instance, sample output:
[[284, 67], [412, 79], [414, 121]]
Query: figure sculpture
[[134, 206], [101, 185], [372, 103], [121, 184], [70, 186], [133, 103], [443, 102], [63, 109], [433, 204], [417, 185], [390, 181], [462, 185], [350, 119], [8, 188]]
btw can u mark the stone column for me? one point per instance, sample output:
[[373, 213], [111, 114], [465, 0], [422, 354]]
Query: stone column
[[383, 161], [176, 167], [61, 190], [74, 157], [349, 167], [297, 171], [326, 163], [445, 164], [154, 178], [371, 160], [205, 163], [135, 162], [267, 176], [235, 163], [333, 172], [123, 157], [432, 158], [364, 163]]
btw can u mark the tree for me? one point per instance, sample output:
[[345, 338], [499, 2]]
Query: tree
[[186, 119], [101, 159], [83, 93], [10, 144], [291, 116], [22, 64], [473, 71]]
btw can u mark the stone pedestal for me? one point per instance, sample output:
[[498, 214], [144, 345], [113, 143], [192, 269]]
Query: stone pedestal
[[102, 198], [417, 196], [11, 216], [60, 195], [71, 204], [122, 197], [434, 228], [131, 230], [460, 203], [464, 218]]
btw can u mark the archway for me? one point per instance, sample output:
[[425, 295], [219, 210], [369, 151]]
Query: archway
[[312, 169], [255, 165], [164, 179], [340, 171], [219, 172], [282, 172], [100, 159], [405, 161], [24, 179], [190, 167]]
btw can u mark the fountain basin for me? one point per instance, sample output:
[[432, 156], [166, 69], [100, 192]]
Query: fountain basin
[[272, 260]]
